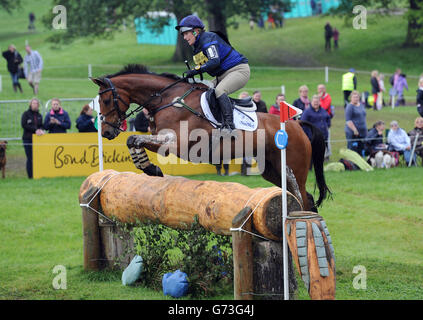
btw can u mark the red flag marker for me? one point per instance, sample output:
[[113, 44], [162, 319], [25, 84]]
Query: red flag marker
[[288, 111]]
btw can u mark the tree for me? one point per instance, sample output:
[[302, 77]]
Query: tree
[[414, 15], [100, 18], [9, 5]]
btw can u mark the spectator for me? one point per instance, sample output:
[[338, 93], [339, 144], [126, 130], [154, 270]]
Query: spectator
[[251, 22], [14, 59], [355, 123], [275, 109], [57, 120], [31, 25], [335, 38], [419, 98], [261, 105], [326, 104], [325, 99], [142, 124], [418, 129], [399, 87], [393, 80], [399, 141], [85, 121], [124, 125], [328, 35], [243, 95], [375, 87], [380, 100], [33, 65], [302, 102], [32, 122], [378, 153], [317, 116], [271, 20], [349, 83]]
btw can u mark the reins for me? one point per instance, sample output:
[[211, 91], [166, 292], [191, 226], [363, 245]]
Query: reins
[[123, 116]]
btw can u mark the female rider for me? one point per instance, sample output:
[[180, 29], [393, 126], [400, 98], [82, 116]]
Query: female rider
[[214, 55]]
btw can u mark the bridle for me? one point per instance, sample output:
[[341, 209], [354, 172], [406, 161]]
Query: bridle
[[123, 115]]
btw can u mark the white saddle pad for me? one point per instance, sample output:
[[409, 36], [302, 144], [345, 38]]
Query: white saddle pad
[[241, 120]]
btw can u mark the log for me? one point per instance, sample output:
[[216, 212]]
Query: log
[[175, 201]]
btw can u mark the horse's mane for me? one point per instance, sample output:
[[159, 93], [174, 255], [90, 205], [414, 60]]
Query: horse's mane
[[140, 69]]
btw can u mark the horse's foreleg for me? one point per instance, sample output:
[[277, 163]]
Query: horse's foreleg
[[137, 145]]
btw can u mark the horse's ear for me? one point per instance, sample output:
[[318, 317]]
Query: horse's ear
[[98, 81]]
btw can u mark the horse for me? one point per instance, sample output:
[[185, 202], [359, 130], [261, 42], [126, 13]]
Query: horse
[[173, 101]]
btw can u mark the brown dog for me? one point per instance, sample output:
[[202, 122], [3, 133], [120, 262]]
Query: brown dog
[[3, 145]]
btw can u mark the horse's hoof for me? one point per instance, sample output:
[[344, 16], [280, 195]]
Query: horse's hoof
[[153, 170]]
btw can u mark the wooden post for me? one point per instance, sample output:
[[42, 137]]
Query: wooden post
[[268, 275], [91, 232], [242, 256]]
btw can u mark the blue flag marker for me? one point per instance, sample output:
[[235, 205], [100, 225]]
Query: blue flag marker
[[281, 139]]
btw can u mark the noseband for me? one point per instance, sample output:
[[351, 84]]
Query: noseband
[[121, 115]]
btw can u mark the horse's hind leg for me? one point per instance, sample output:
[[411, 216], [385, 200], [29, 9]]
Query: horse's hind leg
[[137, 145]]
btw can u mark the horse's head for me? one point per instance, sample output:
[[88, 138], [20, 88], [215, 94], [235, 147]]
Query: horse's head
[[114, 103]]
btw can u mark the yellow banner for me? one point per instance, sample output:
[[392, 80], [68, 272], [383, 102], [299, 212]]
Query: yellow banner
[[76, 154]]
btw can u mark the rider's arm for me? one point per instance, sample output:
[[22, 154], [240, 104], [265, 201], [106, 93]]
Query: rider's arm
[[212, 52]]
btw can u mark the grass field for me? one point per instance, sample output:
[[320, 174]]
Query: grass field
[[375, 218], [376, 225]]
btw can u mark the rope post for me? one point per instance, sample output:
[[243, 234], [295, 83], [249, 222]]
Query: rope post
[[242, 247], [326, 74], [91, 232], [90, 71], [282, 89]]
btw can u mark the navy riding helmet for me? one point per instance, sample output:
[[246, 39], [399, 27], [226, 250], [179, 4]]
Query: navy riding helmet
[[189, 23]]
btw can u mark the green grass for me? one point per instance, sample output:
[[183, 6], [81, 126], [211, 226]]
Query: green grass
[[375, 219], [376, 225]]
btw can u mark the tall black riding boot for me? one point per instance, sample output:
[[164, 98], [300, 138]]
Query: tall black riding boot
[[19, 87], [227, 112], [14, 87]]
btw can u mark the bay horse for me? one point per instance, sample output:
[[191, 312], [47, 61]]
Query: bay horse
[[172, 101]]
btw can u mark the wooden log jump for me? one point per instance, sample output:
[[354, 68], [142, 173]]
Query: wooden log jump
[[221, 207]]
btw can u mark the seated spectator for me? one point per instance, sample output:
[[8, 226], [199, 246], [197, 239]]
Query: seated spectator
[[398, 140], [355, 123], [317, 116], [142, 124], [275, 109], [418, 129], [261, 105], [57, 120], [302, 102], [85, 121], [420, 98], [378, 153]]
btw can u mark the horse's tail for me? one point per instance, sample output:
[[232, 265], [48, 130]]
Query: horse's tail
[[318, 157]]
